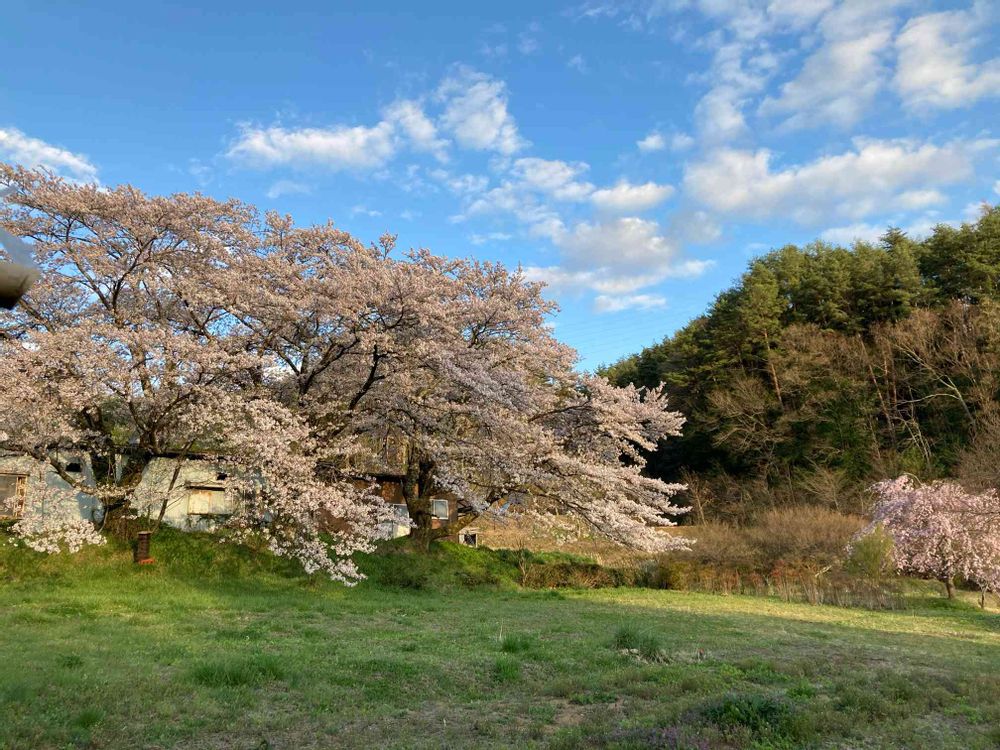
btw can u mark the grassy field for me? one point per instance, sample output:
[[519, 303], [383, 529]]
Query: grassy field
[[216, 648]]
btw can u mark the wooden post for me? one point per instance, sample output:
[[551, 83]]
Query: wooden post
[[142, 549]]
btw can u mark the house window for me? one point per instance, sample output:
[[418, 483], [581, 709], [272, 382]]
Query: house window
[[13, 487], [209, 501], [439, 509], [400, 526]]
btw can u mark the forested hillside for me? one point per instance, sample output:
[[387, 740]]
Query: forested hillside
[[825, 369]]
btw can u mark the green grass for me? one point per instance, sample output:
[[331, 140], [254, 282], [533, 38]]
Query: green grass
[[218, 647]]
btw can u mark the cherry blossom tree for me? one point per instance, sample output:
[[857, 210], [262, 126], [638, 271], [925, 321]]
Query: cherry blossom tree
[[124, 352], [941, 531], [452, 361], [51, 522], [184, 326]]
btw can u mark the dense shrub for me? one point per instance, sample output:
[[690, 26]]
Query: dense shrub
[[758, 714], [582, 575], [655, 738], [802, 535], [870, 556], [720, 545], [449, 565], [796, 553]]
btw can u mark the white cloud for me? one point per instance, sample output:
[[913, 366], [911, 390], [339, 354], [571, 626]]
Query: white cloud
[[476, 112], [606, 303], [463, 184], [917, 228], [513, 198], [681, 142], [853, 184], [694, 226], [996, 187], [746, 20], [287, 187], [652, 142], [527, 44], [846, 43], [912, 200], [616, 257], [553, 177], [561, 278], [335, 148], [974, 211], [739, 71], [577, 63], [689, 268], [623, 244], [924, 226], [482, 239], [409, 214], [422, 132], [840, 80], [527, 40], [626, 197], [837, 84], [719, 115], [493, 50], [797, 14], [18, 148], [852, 233], [364, 211], [202, 172], [934, 69], [531, 184]]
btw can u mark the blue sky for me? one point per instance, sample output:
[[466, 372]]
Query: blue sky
[[634, 155]]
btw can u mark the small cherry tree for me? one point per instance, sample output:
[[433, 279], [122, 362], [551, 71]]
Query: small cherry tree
[[941, 531]]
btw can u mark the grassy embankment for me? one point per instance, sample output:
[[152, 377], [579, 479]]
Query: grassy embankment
[[215, 647]]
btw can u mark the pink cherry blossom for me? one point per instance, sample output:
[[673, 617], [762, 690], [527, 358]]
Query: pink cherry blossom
[[941, 531]]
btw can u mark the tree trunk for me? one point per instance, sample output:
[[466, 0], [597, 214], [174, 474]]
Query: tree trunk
[[949, 587], [416, 493], [173, 481], [774, 373]]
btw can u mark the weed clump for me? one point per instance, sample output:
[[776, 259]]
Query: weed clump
[[506, 669], [641, 643], [751, 712], [516, 643], [236, 672]]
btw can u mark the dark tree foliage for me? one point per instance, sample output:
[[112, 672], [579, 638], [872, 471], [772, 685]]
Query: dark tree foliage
[[825, 368]]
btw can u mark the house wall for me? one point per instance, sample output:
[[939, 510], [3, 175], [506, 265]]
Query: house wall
[[40, 472], [154, 487], [390, 489]]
